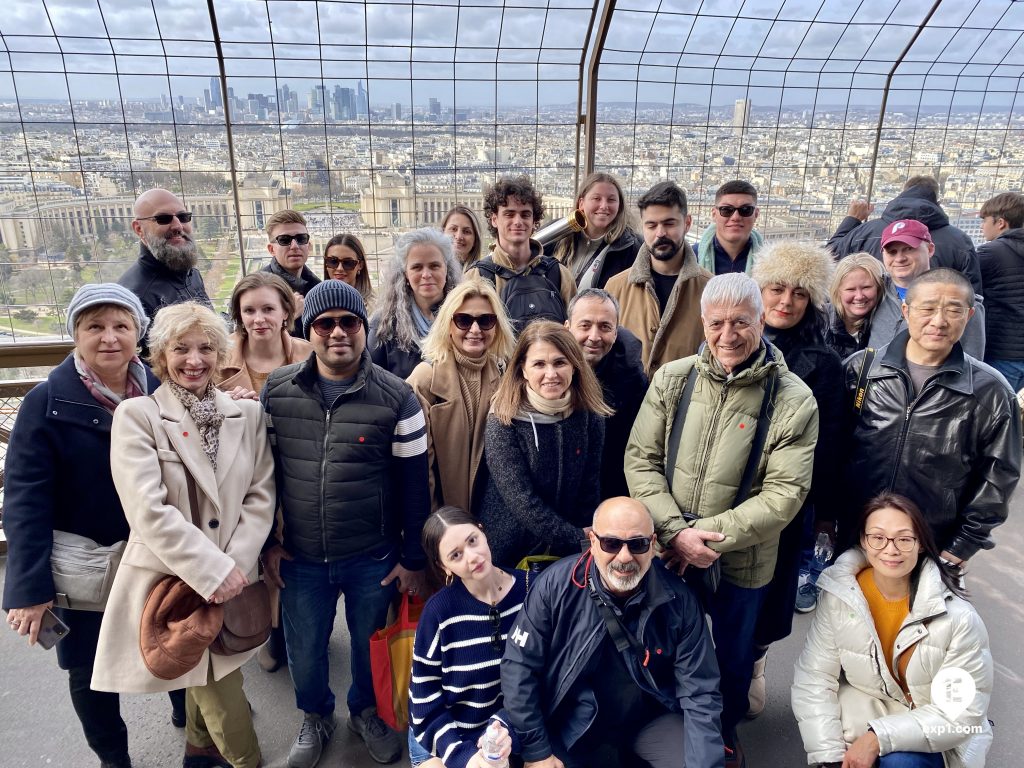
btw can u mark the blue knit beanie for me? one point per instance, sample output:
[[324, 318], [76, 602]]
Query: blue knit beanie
[[96, 294], [328, 295]]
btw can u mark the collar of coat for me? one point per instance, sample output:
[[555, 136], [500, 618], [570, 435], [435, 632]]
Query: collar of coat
[[706, 248], [762, 363], [444, 378], [302, 283], [502, 259], [236, 355], [308, 375], [640, 272], [954, 373]]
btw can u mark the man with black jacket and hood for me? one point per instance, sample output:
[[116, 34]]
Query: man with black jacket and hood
[[1002, 268], [610, 658], [615, 355], [918, 201]]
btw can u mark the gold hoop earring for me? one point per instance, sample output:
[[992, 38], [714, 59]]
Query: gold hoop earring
[[448, 580]]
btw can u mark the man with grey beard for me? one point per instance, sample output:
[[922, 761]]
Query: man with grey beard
[[165, 272], [610, 659]]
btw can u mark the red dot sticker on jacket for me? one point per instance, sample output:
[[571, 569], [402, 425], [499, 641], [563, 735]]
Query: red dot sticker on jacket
[[742, 425], [362, 439], [579, 451], [184, 434], [658, 651]]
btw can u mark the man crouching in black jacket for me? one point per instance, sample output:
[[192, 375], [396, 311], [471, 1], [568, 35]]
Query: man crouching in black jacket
[[610, 661]]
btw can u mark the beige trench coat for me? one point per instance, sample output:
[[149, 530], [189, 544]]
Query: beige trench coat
[[454, 446], [152, 441]]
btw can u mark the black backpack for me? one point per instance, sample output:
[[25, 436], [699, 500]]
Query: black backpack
[[536, 295]]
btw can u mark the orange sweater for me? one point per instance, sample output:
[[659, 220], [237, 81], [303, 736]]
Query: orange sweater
[[888, 616]]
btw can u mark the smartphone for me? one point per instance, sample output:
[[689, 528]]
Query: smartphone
[[52, 630]]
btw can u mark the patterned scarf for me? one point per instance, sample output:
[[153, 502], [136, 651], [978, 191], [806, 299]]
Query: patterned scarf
[[104, 395], [206, 416]]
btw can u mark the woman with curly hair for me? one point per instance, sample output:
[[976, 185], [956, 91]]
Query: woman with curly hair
[[419, 276]]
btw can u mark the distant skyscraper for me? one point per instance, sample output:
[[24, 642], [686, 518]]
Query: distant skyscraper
[[435, 107], [206, 99], [398, 111], [741, 117], [362, 101], [215, 99]]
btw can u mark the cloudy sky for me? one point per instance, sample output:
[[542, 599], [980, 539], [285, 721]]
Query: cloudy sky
[[469, 53]]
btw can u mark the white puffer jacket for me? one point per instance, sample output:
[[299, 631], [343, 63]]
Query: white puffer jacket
[[841, 684]]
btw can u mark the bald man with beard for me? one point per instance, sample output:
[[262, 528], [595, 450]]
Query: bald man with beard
[[165, 272]]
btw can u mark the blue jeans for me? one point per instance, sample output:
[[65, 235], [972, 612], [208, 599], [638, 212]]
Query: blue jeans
[[734, 611], [417, 754], [1013, 370], [911, 760], [309, 604]]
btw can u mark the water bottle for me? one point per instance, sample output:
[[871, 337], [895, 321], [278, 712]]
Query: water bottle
[[490, 749], [822, 551]]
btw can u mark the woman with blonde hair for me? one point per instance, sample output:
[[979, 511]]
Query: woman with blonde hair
[[195, 475], [345, 260], [607, 246], [464, 355], [462, 226], [543, 448], [854, 292], [416, 280]]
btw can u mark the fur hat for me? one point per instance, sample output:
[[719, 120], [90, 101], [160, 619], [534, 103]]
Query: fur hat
[[795, 262]]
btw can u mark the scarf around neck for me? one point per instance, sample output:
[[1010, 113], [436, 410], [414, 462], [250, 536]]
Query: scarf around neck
[[205, 414], [135, 385], [562, 407], [420, 320]]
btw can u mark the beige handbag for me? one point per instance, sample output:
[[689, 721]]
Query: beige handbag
[[83, 571]]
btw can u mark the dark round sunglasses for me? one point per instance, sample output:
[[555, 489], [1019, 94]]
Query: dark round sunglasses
[[163, 219], [746, 211], [613, 544], [285, 240], [464, 321], [333, 262], [324, 326]]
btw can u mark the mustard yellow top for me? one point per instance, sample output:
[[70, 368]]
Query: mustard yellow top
[[888, 616]]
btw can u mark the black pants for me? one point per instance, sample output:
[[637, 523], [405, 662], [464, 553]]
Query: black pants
[[659, 744], [99, 713]]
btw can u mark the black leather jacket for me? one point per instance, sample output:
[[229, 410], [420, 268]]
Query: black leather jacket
[[559, 630], [955, 448]]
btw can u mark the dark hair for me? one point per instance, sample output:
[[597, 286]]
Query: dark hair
[[521, 188], [433, 531], [929, 549], [596, 294], [926, 183], [943, 275], [665, 193], [736, 187], [255, 280], [1008, 206], [363, 284], [474, 223]]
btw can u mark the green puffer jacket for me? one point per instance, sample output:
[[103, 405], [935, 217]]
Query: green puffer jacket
[[713, 450]]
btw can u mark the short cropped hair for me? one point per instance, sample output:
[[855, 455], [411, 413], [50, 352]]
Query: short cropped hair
[[928, 182], [733, 289], [666, 193], [1008, 206], [520, 188], [287, 216], [598, 294], [174, 321], [945, 276], [736, 187]]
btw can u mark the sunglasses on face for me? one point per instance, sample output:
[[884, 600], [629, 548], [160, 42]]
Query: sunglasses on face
[[746, 211], [333, 262], [285, 240], [324, 326], [613, 544], [163, 219], [464, 321], [495, 618]]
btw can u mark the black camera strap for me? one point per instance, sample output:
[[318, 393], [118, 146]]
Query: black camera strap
[[624, 639]]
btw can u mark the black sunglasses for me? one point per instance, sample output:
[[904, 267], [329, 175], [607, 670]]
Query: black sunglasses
[[285, 240], [163, 219], [613, 544], [333, 262], [495, 616], [746, 211], [324, 326], [464, 321]]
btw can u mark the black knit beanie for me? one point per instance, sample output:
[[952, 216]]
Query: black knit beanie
[[328, 295]]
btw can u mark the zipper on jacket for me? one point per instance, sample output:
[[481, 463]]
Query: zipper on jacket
[[901, 441], [706, 450], [558, 482], [323, 484]]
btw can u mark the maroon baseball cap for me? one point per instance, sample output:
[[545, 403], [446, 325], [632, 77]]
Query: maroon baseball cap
[[908, 231]]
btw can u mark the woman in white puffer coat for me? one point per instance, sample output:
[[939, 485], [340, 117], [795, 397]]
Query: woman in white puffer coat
[[891, 616]]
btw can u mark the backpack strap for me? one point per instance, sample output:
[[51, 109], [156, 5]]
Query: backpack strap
[[862, 380], [677, 426], [551, 265], [764, 420]]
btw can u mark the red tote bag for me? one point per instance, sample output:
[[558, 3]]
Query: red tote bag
[[391, 663]]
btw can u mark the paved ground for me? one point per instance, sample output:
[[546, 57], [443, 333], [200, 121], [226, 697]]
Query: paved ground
[[39, 728]]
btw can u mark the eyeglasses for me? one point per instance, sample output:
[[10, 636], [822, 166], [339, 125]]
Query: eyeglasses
[[324, 326], [285, 240], [464, 321], [495, 617], [333, 262], [613, 544], [903, 543], [163, 219], [950, 311], [746, 211]]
